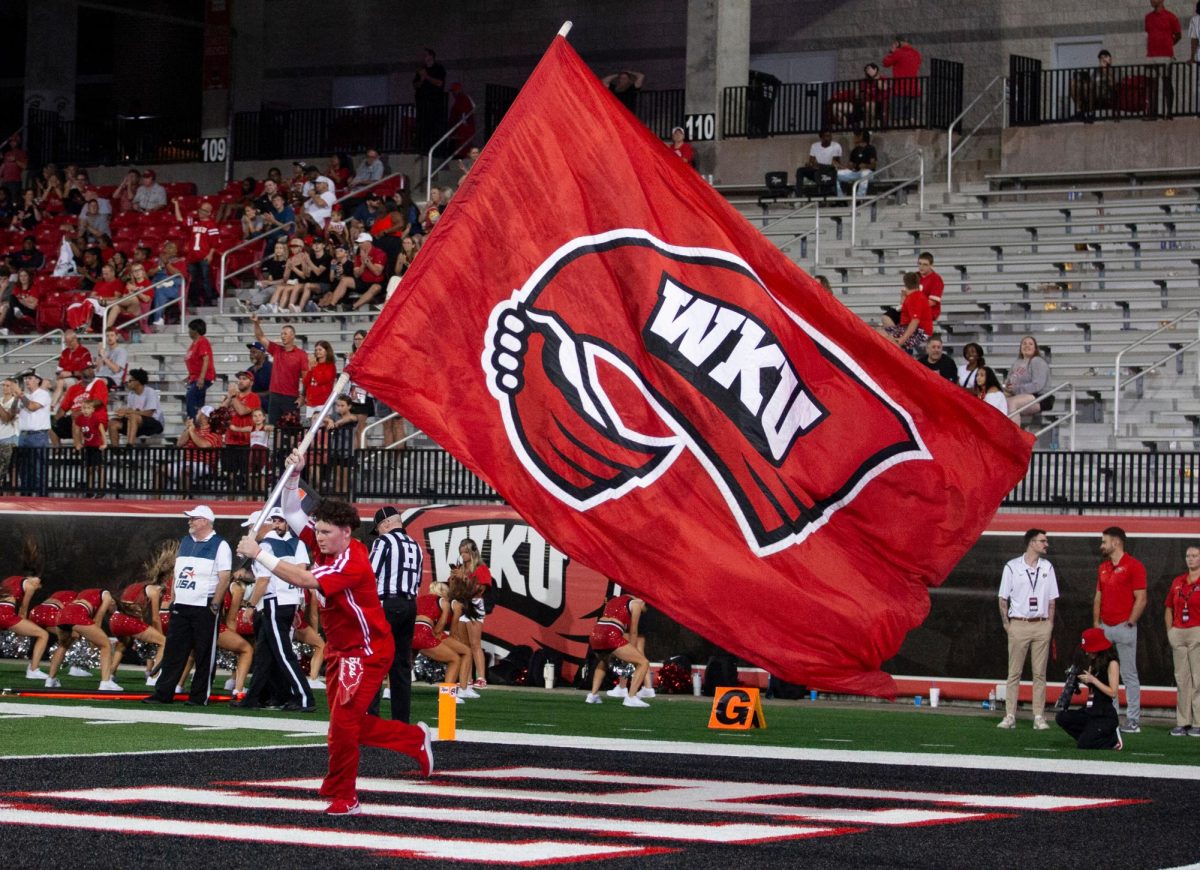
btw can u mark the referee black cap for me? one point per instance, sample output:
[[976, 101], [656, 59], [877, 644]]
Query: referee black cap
[[384, 513]]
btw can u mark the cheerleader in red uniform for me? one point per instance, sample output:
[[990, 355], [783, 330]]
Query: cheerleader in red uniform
[[237, 625], [472, 567], [46, 613], [82, 618], [308, 620], [15, 594], [616, 634], [137, 618], [434, 611]]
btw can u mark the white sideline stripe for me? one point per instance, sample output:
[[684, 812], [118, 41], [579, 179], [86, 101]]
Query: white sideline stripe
[[490, 852], [625, 744], [741, 790], [665, 799], [724, 832]]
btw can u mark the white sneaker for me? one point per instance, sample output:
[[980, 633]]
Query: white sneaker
[[468, 692], [110, 686], [645, 692], [458, 700], [593, 698], [387, 694], [1039, 724], [318, 684], [52, 683], [77, 671], [229, 685], [152, 681], [295, 309], [31, 674], [179, 690], [634, 702], [1008, 722], [618, 692]]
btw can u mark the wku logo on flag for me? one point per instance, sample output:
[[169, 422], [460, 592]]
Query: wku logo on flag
[[671, 402], [727, 381]]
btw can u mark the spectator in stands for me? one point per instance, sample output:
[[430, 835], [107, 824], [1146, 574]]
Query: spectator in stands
[[200, 250], [916, 323], [122, 198], [270, 187], [362, 406], [33, 428], [288, 365], [275, 176], [243, 402], [272, 270], [824, 282], [366, 281], [29, 257], [429, 85], [169, 282], [133, 306], [141, 415], [317, 281], [87, 387], [319, 206], [905, 64], [936, 358], [252, 221], [1162, 32], [340, 169], [824, 161], [972, 360], [371, 210], [150, 195], [200, 454], [201, 367], [49, 186], [310, 176], [27, 214], [408, 253], [863, 161], [105, 292], [9, 434], [625, 86], [932, 284], [12, 167], [319, 379], [281, 217], [987, 387], [23, 303], [7, 283], [260, 368], [680, 147], [467, 162], [1027, 379], [113, 359], [871, 99], [92, 225], [87, 264], [120, 264], [369, 171], [408, 208], [89, 435], [74, 360]]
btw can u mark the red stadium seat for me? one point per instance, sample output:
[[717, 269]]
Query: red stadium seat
[[180, 188]]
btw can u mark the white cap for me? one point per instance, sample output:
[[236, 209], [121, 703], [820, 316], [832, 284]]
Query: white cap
[[275, 513], [364, 237], [207, 410], [251, 520], [201, 511]]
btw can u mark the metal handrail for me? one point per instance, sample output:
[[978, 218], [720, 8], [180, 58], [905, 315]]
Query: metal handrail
[[1070, 417], [362, 437], [1118, 384], [225, 255], [35, 340], [162, 282], [919, 178], [815, 232], [429, 170], [950, 149], [352, 193]]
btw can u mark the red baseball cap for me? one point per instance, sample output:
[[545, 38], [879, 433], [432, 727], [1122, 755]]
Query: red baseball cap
[[1094, 641]]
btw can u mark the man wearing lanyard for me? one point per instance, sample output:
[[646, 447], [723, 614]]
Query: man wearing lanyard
[[1118, 605], [1028, 589]]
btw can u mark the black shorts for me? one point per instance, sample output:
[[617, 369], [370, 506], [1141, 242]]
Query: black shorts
[[361, 286], [148, 426], [93, 457], [363, 409]]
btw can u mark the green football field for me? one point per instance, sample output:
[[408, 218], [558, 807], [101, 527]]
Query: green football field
[[79, 727]]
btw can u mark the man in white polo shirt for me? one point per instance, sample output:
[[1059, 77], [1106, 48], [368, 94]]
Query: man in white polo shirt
[[202, 570], [33, 439], [1028, 590]]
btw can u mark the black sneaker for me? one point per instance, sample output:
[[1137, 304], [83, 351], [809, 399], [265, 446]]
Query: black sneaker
[[294, 707], [152, 699]]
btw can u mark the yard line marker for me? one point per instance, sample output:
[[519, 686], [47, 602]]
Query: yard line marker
[[938, 745], [835, 740], [540, 725]]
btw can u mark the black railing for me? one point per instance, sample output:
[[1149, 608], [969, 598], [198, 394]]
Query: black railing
[[767, 108], [658, 110], [274, 134], [1055, 96], [112, 140], [496, 101], [1060, 480]]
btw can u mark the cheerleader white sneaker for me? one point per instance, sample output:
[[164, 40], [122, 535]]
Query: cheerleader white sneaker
[[468, 692], [634, 702], [316, 684], [593, 698], [151, 681], [229, 685], [110, 686], [31, 674], [645, 692], [77, 671], [618, 692], [52, 683]]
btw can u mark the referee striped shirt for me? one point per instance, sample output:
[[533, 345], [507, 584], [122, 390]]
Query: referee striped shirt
[[397, 560]]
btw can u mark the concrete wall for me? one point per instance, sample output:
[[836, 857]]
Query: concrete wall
[[1109, 145]]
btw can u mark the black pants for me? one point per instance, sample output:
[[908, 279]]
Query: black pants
[[193, 631], [275, 669], [1089, 731], [401, 614], [278, 405]]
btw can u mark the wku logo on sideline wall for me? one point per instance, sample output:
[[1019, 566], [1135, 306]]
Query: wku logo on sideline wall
[[704, 371]]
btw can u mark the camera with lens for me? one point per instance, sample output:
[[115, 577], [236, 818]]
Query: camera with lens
[[1070, 688]]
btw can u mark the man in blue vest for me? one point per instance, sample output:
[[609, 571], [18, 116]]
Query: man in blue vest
[[275, 669], [201, 577]]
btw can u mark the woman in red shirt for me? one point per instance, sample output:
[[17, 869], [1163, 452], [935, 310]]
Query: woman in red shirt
[[681, 148], [473, 568], [201, 371], [916, 320], [106, 291], [1182, 617], [319, 379]]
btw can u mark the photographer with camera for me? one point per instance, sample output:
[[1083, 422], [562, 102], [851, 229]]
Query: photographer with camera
[[1095, 726], [1028, 592]]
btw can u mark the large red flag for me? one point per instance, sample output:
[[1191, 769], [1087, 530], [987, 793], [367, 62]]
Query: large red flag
[[668, 399]]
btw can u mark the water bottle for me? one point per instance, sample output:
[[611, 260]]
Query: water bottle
[[990, 703], [696, 683], [548, 674]]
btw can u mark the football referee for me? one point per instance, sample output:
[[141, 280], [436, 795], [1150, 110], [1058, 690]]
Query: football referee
[[397, 561]]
